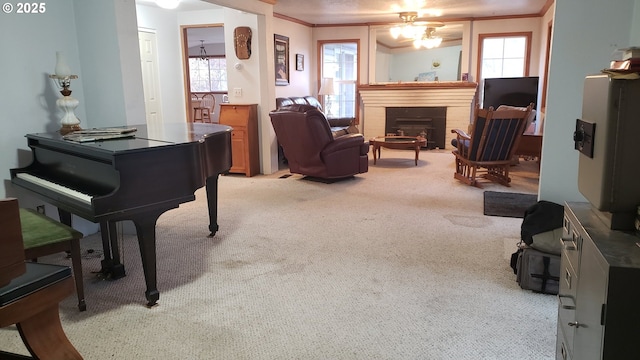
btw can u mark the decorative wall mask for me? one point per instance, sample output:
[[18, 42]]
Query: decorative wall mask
[[242, 42]]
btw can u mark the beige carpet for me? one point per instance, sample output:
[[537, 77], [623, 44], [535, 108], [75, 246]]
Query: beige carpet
[[398, 263]]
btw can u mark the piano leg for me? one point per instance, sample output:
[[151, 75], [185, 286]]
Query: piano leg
[[212, 203], [111, 265], [146, 229], [65, 217]]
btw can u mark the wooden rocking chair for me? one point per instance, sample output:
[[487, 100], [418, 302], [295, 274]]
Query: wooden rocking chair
[[488, 152]]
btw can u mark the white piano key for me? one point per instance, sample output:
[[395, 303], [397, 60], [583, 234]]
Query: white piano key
[[55, 187]]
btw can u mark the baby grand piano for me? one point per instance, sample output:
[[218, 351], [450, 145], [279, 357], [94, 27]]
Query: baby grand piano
[[136, 178]]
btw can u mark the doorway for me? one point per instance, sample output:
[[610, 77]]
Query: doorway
[[205, 75]]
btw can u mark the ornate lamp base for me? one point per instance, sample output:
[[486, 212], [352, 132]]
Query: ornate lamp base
[[69, 121], [67, 103], [65, 129]]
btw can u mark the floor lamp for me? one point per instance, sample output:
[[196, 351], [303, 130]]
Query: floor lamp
[[326, 88]]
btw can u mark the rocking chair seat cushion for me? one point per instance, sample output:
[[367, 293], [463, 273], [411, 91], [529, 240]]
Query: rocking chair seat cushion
[[38, 276]]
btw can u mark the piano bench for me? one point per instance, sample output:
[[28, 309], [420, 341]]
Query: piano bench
[[44, 236], [31, 301]]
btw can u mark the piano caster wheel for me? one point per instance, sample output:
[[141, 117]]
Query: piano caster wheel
[[213, 229], [117, 272], [112, 272], [152, 297], [82, 306]]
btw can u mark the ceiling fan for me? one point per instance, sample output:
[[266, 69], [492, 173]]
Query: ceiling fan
[[428, 40], [409, 28]]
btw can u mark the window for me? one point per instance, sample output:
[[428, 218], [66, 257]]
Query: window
[[209, 75], [339, 61], [504, 55]]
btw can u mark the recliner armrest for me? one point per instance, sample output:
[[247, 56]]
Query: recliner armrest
[[344, 142], [340, 122]]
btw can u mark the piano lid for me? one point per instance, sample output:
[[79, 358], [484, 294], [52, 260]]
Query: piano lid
[[146, 136]]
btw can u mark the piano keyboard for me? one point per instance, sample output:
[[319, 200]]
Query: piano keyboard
[[55, 187]]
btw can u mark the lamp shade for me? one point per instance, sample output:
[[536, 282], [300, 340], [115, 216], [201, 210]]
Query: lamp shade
[[326, 88], [62, 68]]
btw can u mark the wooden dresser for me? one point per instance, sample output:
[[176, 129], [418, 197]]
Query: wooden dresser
[[243, 118]]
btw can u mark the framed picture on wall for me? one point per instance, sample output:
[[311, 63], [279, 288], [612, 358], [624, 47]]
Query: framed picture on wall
[[281, 45], [299, 62]]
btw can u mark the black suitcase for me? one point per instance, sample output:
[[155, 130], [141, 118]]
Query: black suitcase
[[538, 271]]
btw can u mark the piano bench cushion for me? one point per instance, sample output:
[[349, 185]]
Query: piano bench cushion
[[39, 230], [38, 276]]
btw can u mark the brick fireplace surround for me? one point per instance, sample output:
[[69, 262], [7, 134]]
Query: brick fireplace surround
[[456, 96]]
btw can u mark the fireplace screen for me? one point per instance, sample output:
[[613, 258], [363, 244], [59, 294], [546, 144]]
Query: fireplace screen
[[414, 121]]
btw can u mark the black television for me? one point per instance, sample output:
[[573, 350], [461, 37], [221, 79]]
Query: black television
[[514, 91]]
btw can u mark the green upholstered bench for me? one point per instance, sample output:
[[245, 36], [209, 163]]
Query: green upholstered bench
[[44, 236]]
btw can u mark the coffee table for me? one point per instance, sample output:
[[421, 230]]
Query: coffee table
[[397, 142]]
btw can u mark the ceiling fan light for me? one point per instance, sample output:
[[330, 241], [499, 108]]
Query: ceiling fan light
[[417, 43], [395, 31], [431, 42], [168, 4], [408, 31]]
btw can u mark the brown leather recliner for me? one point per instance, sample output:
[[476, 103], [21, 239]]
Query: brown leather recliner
[[339, 126], [311, 149]]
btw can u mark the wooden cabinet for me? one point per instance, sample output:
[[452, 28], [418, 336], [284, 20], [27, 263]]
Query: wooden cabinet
[[599, 297], [244, 137]]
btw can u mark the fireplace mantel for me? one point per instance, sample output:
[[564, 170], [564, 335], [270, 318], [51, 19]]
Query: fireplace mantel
[[456, 96]]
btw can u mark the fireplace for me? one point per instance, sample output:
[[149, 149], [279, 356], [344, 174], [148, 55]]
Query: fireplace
[[414, 121]]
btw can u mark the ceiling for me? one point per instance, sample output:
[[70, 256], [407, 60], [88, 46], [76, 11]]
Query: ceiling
[[383, 12], [326, 12], [331, 12]]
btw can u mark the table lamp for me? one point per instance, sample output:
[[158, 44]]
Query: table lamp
[[326, 88], [67, 104]]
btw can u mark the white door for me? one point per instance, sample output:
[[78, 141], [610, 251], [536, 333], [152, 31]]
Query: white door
[[150, 83]]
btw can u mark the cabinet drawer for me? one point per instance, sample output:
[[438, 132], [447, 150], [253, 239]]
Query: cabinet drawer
[[562, 350], [571, 241], [234, 115], [568, 276]]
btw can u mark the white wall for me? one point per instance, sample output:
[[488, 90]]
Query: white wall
[[407, 66], [29, 97], [585, 34], [300, 42], [97, 48], [635, 27]]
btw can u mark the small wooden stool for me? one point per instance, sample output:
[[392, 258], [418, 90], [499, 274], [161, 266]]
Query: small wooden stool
[[44, 236]]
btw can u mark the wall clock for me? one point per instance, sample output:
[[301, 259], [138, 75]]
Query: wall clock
[[242, 42]]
